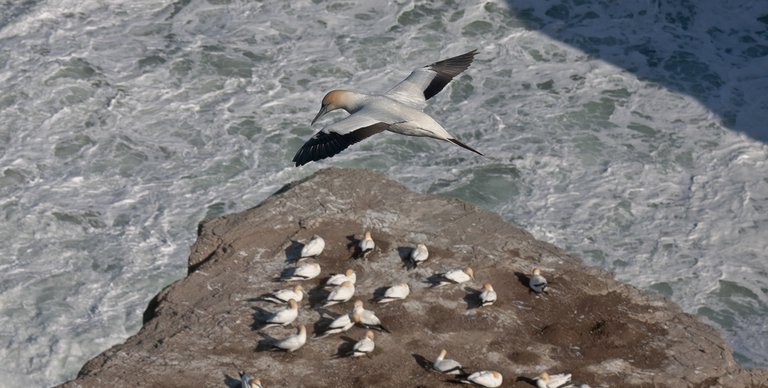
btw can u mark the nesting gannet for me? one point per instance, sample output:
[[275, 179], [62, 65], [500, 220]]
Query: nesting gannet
[[283, 317], [576, 386], [313, 248], [447, 366], [256, 383], [455, 276], [419, 255], [303, 272], [283, 296], [399, 110], [247, 381], [365, 346], [340, 294], [488, 295], [342, 323], [537, 283], [338, 278], [366, 245], [545, 380], [292, 342], [368, 318], [396, 292], [484, 378]]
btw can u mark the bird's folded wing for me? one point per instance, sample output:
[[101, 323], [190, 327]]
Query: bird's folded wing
[[337, 137], [425, 82]]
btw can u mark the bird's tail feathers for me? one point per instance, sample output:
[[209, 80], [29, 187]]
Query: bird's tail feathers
[[460, 144]]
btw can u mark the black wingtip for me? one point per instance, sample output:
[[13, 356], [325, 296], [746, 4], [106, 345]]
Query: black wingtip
[[460, 144], [324, 145], [446, 70]]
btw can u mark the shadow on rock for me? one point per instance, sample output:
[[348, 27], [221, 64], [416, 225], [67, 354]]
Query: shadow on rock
[[293, 252], [526, 380], [472, 298], [435, 280], [378, 294], [266, 344], [423, 362], [346, 348], [523, 279], [317, 295], [231, 382], [321, 325], [260, 317], [353, 245], [405, 256]]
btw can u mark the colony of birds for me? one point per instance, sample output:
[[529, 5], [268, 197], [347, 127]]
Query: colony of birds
[[399, 110], [341, 289]]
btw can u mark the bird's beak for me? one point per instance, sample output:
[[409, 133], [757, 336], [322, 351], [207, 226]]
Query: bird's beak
[[320, 114]]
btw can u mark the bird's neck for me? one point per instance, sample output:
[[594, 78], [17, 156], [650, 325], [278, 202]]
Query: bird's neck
[[352, 101]]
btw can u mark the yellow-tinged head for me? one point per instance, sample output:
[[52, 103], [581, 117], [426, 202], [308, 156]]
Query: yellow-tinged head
[[369, 334], [349, 272], [298, 288], [368, 235], [488, 286], [496, 375], [443, 352], [469, 271], [536, 271], [347, 284], [292, 302], [335, 99], [544, 376], [358, 303]]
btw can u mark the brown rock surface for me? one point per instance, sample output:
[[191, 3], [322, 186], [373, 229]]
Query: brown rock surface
[[201, 330]]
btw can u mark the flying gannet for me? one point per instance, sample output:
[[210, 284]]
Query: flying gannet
[[399, 110]]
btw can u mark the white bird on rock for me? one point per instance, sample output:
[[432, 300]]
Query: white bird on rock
[[396, 292], [283, 317], [339, 278], [537, 282], [545, 380], [366, 245], [247, 381], [292, 342], [446, 365], [365, 346], [340, 294], [341, 324], [367, 317], [283, 296], [399, 110], [313, 248], [455, 276], [488, 295], [419, 255], [303, 272], [484, 378]]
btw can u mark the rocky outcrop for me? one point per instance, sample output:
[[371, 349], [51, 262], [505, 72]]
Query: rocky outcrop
[[203, 329]]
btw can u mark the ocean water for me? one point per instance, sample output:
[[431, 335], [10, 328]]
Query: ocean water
[[632, 135]]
